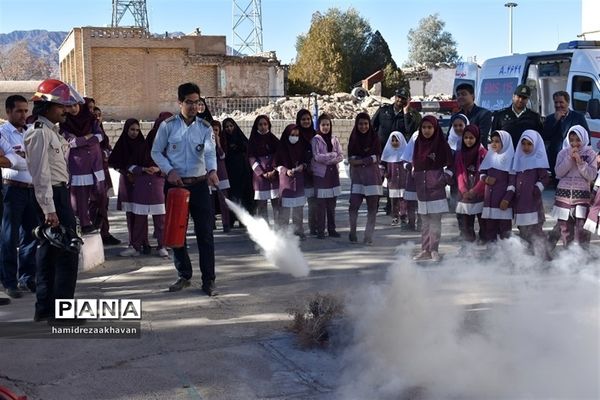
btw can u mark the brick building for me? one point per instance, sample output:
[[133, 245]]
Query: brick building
[[132, 74]]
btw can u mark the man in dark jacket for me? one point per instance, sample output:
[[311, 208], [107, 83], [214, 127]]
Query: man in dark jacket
[[396, 117], [517, 118], [557, 125], [482, 117]]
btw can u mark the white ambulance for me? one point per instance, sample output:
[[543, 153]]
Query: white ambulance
[[573, 67]]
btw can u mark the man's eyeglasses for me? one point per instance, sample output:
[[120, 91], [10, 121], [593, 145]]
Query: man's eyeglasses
[[192, 102]]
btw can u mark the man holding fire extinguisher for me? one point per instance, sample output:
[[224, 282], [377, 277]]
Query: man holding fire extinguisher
[[184, 149]]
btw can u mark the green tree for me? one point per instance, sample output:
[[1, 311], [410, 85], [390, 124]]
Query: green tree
[[339, 50], [321, 65], [393, 79], [377, 55], [429, 44]]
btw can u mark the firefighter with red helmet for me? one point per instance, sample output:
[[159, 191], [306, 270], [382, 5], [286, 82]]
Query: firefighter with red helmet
[[46, 154]]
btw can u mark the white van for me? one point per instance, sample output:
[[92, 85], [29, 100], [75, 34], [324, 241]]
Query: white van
[[466, 72], [573, 67]]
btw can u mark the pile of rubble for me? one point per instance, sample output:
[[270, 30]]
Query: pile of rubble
[[338, 105]]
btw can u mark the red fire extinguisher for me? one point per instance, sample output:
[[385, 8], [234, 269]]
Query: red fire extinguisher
[[8, 395], [176, 220]]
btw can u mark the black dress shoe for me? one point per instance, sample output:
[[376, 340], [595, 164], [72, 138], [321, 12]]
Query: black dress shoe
[[320, 235], [28, 286], [39, 317], [209, 288], [352, 237], [110, 240], [4, 301], [146, 249], [334, 234], [179, 284], [85, 230], [300, 235], [14, 293]]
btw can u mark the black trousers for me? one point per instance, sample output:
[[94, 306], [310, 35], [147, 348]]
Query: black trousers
[[202, 215], [56, 269]]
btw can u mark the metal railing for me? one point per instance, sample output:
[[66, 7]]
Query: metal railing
[[249, 104]]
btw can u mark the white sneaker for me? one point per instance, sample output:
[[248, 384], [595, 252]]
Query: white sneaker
[[163, 252], [130, 252], [435, 256], [423, 255]]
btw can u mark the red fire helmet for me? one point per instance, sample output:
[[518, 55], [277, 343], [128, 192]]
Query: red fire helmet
[[55, 91]]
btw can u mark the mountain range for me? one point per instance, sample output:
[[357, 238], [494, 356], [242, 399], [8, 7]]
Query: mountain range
[[33, 55]]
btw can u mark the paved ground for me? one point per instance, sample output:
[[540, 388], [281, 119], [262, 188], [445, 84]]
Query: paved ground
[[234, 346]]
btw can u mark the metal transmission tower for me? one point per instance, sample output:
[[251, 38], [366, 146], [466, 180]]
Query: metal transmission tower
[[137, 8], [247, 26]]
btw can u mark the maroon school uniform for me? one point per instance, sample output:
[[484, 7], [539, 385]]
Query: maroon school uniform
[[531, 176], [431, 158], [327, 154], [364, 149], [309, 185], [410, 189], [292, 158], [86, 172], [261, 151], [466, 167], [143, 193], [498, 222]]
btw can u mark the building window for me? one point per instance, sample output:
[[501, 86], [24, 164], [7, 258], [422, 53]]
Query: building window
[[584, 89]]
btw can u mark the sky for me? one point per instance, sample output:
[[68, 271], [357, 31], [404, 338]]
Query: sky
[[479, 27]]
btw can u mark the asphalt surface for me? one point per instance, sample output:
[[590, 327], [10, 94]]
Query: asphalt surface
[[232, 346]]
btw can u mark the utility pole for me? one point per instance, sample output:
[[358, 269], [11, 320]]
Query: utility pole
[[510, 25], [247, 26]]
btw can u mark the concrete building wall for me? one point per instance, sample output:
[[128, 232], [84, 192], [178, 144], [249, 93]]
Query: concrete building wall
[[24, 88], [246, 80], [440, 83]]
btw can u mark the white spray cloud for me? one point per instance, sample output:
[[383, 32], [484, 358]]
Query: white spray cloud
[[507, 327], [280, 248]]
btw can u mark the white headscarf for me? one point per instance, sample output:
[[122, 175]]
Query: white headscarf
[[579, 131], [504, 158], [390, 153], [454, 139], [410, 148], [538, 157]]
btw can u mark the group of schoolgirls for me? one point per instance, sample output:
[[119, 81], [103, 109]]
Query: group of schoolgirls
[[141, 187], [300, 167], [496, 186], [141, 183]]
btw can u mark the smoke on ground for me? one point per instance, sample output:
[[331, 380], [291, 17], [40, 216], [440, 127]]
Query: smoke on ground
[[501, 326], [280, 248]]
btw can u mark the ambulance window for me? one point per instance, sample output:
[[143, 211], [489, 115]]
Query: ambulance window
[[497, 93], [584, 89]]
